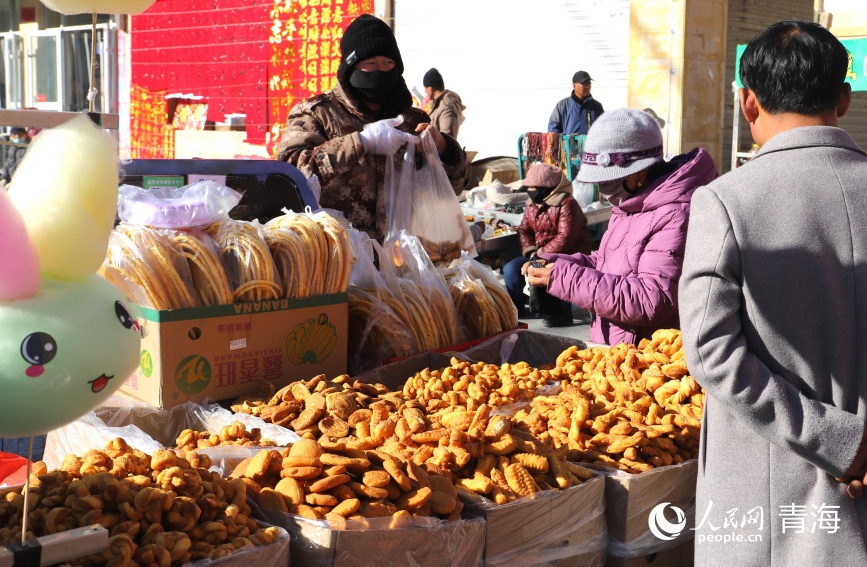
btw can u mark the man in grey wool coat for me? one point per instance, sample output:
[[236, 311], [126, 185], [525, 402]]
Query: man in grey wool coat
[[773, 304]]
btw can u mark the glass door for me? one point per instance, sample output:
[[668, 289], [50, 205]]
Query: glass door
[[76, 64], [13, 71], [42, 70]]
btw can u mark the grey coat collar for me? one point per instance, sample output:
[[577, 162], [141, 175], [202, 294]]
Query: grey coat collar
[[810, 136]]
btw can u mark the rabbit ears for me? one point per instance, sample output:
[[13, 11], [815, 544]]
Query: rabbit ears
[[19, 262], [58, 215]]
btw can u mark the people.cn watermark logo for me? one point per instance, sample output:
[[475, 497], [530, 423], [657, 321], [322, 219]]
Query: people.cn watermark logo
[[661, 527]]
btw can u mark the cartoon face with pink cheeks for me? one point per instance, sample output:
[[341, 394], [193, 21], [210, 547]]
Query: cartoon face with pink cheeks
[[67, 337]]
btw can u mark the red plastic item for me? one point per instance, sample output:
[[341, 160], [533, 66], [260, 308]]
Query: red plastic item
[[9, 465]]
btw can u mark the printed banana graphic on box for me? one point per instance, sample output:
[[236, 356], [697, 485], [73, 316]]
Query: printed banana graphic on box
[[311, 341]]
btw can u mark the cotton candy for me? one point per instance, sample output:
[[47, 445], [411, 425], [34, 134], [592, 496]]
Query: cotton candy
[[19, 263], [66, 190], [99, 6]]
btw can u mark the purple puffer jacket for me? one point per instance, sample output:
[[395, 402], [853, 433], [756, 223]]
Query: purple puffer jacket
[[630, 283]]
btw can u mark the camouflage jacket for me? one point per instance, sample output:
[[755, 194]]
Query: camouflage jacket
[[321, 138]]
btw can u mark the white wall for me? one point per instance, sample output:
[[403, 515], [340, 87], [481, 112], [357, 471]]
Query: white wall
[[512, 60]]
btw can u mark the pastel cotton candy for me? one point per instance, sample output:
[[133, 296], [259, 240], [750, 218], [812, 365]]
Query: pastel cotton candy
[[63, 352], [99, 6], [66, 190], [19, 263]]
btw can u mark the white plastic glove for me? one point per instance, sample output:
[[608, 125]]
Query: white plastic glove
[[383, 138]]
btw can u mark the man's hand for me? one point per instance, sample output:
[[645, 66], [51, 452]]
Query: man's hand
[[855, 476]]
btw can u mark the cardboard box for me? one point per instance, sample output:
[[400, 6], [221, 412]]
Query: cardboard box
[[556, 528], [630, 498], [224, 351], [502, 168], [432, 543], [681, 556]]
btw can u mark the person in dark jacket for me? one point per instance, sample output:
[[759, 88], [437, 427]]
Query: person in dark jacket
[[14, 154], [346, 135], [554, 223], [576, 113]]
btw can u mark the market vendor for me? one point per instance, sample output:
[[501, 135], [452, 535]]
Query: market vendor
[[344, 135]]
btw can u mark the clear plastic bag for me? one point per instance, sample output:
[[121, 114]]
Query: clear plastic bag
[[249, 265], [205, 263], [165, 425], [276, 554], [142, 257], [377, 318], [416, 542], [88, 432], [425, 292], [545, 528], [631, 498], [196, 205], [376, 333], [505, 308], [310, 262], [423, 202], [475, 307]]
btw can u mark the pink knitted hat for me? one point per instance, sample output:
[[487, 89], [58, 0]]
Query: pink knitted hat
[[543, 175]]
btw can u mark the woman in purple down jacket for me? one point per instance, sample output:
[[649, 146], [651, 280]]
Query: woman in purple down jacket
[[630, 283]]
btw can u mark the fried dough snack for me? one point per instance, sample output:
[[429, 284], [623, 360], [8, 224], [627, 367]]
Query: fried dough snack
[[249, 265], [376, 326], [317, 406], [441, 252], [147, 267], [478, 311], [234, 434], [306, 265], [633, 408], [349, 487], [158, 509], [470, 385], [206, 268]]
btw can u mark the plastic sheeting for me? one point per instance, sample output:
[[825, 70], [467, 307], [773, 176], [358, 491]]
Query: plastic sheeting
[[426, 542], [275, 554], [554, 527], [148, 428], [632, 498]]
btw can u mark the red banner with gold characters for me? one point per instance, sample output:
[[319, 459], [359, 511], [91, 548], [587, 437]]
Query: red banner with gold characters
[[305, 40], [235, 56], [152, 138]]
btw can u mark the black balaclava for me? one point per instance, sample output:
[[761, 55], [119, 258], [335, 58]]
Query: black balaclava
[[539, 194], [368, 36]]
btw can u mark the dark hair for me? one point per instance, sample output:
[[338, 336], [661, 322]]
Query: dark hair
[[17, 130], [795, 66]]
